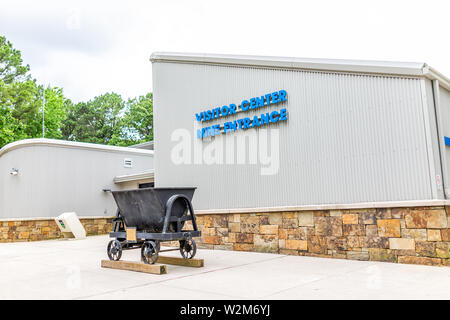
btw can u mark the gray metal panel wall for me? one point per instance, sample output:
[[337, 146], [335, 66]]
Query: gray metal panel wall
[[444, 101], [53, 180], [433, 153], [349, 137]]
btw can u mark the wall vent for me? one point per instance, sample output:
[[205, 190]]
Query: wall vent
[[127, 163]]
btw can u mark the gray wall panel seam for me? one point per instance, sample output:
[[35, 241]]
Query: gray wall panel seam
[[440, 134], [429, 148]]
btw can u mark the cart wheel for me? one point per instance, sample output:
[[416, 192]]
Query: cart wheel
[[188, 248], [149, 252], [114, 250]]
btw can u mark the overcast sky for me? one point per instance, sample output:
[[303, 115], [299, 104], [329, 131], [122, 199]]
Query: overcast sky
[[92, 47]]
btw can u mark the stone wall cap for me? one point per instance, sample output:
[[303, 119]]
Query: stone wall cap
[[359, 205], [51, 218]]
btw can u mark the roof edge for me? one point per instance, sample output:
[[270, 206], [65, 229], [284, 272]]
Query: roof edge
[[433, 74], [415, 69], [150, 174], [70, 144], [142, 145]]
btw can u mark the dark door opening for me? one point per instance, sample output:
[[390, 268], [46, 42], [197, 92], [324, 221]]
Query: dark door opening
[[146, 185]]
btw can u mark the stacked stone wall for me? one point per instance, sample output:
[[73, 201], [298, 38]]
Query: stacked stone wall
[[419, 235], [45, 229]]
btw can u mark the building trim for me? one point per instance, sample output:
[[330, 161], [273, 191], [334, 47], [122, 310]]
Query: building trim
[[135, 177], [441, 136], [70, 144], [52, 218], [412, 69], [428, 141], [433, 74], [143, 145], [362, 205], [346, 206]]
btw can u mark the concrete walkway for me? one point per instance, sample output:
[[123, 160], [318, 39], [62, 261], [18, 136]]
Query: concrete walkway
[[69, 269]]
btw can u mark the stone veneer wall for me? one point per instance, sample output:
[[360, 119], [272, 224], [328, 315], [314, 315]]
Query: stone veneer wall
[[405, 235], [16, 230]]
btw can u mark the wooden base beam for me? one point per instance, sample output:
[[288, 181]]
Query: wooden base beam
[[135, 266], [195, 263]]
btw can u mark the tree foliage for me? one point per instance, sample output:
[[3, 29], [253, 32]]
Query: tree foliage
[[106, 119], [137, 124], [11, 68], [94, 121], [18, 105], [56, 108]]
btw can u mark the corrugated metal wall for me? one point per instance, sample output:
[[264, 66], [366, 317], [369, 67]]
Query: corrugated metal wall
[[349, 138], [444, 101], [431, 132]]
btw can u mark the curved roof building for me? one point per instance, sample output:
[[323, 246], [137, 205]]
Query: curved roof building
[[45, 177]]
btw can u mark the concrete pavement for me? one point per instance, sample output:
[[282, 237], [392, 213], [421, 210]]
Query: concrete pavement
[[70, 269]]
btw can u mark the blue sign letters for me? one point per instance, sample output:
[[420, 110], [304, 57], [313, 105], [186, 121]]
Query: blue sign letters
[[244, 123]]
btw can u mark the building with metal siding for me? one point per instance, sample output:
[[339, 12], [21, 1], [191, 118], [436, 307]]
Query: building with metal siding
[[54, 176], [357, 131]]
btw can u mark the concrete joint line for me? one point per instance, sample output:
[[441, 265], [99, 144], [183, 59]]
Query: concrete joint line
[[176, 278]]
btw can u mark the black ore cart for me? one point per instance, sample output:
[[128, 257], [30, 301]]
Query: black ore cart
[[146, 217]]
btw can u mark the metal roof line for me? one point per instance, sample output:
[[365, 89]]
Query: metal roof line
[[69, 144], [416, 69]]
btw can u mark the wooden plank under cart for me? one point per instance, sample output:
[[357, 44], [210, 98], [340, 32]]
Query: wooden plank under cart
[[135, 266], [194, 263]]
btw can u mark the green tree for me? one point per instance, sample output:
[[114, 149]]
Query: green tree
[[95, 121], [8, 126], [24, 99], [24, 102], [19, 103], [137, 123], [106, 119], [56, 106], [11, 68]]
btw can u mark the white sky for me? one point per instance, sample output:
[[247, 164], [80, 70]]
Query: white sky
[[92, 47]]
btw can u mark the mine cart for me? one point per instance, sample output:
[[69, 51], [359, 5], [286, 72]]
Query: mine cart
[[146, 217]]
